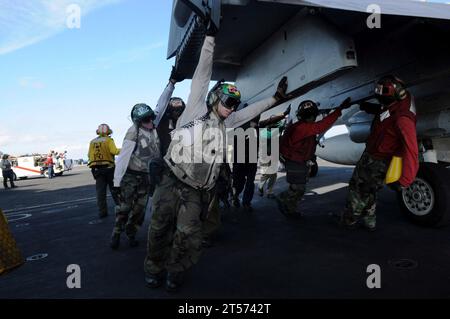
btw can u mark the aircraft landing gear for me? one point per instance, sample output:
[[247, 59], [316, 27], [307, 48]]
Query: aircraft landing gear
[[427, 201], [314, 169]]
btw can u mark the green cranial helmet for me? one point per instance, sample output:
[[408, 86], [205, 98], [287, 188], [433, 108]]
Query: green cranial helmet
[[142, 113], [227, 93]]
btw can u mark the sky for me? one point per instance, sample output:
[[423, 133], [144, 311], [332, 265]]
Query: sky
[[57, 84]]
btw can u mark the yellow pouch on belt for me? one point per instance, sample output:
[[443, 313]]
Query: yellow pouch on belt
[[394, 171], [10, 256]]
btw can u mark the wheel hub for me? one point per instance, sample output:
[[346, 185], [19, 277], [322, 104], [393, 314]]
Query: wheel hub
[[419, 198]]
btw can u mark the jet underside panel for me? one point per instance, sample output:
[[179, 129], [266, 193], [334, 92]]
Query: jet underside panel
[[306, 49], [408, 8]]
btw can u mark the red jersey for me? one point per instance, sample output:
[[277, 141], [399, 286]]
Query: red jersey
[[298, 143], [394, 133]]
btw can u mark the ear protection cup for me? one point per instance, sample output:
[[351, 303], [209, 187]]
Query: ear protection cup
[[103, 129], [212, 99], [212, 96]]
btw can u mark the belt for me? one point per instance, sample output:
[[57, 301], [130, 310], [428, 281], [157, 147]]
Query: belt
[[133, 172], [101, 166]]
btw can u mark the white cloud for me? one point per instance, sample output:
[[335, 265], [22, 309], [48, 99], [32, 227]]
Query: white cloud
[[26, 22]]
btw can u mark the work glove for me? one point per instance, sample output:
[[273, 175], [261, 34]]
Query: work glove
[[368, 107], [396, 186], [175, 75], [346, 103], [156, 169], [288, 110], [281, 89], [117, 195], [208, 25]]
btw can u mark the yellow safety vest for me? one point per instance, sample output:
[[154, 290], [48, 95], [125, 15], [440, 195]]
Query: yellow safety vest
[[101, 151]]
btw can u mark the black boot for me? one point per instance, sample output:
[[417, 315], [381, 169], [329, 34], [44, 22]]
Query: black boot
[[346, 220], [154, 280], [236, 202], [174, 281], [133, 242], [207, 242], [115, 241]]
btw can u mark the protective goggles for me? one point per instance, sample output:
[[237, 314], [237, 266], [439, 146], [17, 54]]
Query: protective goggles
[[307, 105], [385, 89], [229, 102], [147, 119], [176, 103]]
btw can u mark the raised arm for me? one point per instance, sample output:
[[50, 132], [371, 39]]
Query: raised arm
[[161, 107], [240, 117], [370, 108], [275, 118], [196, 103], [123, 159]]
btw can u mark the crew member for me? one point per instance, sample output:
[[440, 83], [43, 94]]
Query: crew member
[[267, 168], [182, 197], [393, 133], [141, 145], [102, 150], [49, 162], [298, 147], [7, 171]]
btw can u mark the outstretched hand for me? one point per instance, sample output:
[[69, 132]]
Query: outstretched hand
[[175, 76], [346, 103], [116, 193], [281, 89], [210, 28], [396, 186]]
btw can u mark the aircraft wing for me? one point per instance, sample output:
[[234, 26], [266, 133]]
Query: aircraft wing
[[409, 8]]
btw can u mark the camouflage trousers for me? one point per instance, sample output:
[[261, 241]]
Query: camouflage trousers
[[297, 175], [175, 233], [212, 220], [290, 198], [367, 179], [270, 180], [130, 213]]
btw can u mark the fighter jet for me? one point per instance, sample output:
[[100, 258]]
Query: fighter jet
[[332, 49]]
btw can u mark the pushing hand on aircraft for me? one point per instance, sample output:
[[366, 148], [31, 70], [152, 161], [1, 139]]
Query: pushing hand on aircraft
[[288, 110], [281, 89], [175, 76], [396, 186], [346, 103], [209, 26]]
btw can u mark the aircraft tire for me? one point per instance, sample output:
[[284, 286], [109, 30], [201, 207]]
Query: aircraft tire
[[314, 170], [427, 201]]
